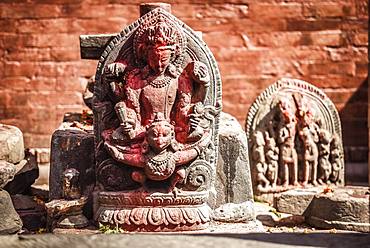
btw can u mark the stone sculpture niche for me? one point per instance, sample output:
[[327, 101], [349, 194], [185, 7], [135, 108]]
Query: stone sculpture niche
[[157, 99], [295, 139]]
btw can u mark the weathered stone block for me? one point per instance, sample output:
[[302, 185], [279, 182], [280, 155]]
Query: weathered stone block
[[10, 221], [11, 144], [345, 208], [231, 212], [295, 201], [233, 182], [72, 148]]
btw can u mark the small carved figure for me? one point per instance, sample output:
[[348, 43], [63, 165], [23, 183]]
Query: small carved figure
[[306, 117], [258, 154], [324, 153], [310, 157], [336, 158], [160, 156], [272, 158], [71, 189], [286, 135]]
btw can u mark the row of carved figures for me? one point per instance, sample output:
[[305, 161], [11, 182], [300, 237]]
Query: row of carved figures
[[321, 159], [293, 149]]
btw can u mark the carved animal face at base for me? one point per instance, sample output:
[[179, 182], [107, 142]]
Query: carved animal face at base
[[160, 135]]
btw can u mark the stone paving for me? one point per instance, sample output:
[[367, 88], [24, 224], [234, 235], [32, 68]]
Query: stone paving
[[189, 240]]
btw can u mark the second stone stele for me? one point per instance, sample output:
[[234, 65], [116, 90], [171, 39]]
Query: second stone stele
[[156, 106], [295, 139]]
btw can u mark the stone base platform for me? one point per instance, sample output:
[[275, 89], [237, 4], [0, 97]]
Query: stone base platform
[[154, 212], [346, 208]]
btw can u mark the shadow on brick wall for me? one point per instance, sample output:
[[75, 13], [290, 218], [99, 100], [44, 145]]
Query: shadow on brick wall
[[354, 117]]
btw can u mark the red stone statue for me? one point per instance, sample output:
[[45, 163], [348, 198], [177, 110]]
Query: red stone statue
[[156, 108]]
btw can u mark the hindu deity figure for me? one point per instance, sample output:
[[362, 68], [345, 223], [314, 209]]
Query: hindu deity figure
[[157, 84], [157, 97], [156, 105], [286, 134]]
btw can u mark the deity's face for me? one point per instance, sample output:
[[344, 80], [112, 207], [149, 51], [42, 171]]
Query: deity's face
[[159, 58], [160, 137]]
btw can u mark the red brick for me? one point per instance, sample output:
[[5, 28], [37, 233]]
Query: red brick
[[333, 38], [204, 11], [335, 81], [349, 53], [27, 54], [29, 10], [341, 96], [277, 10], [276, 39], [329, 9], [342, 68], [30, 69], [313, 25], [64, 54], [361, 39], [233, 39], [362, 10], [362, 69], [99, 11]]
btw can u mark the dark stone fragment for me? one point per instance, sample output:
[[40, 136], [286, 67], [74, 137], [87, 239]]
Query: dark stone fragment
[[31, 210], [25, 177], [72, 149]]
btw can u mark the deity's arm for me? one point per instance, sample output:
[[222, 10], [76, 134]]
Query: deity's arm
[[127, 155], [183, 157], [199, 80], [114, 77]]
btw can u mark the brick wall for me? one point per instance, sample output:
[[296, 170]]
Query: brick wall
[[255, 42]]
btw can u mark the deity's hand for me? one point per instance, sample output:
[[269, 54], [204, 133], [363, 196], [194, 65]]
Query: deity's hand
[[114, 70], [199, 72], [194, 120]]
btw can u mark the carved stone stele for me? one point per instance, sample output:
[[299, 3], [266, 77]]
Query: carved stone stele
[[295, 138], [156, 105]]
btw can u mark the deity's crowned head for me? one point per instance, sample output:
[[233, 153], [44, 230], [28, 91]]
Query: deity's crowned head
[[158, 44]]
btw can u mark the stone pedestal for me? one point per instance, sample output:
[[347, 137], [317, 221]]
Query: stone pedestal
[[154, 212]]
